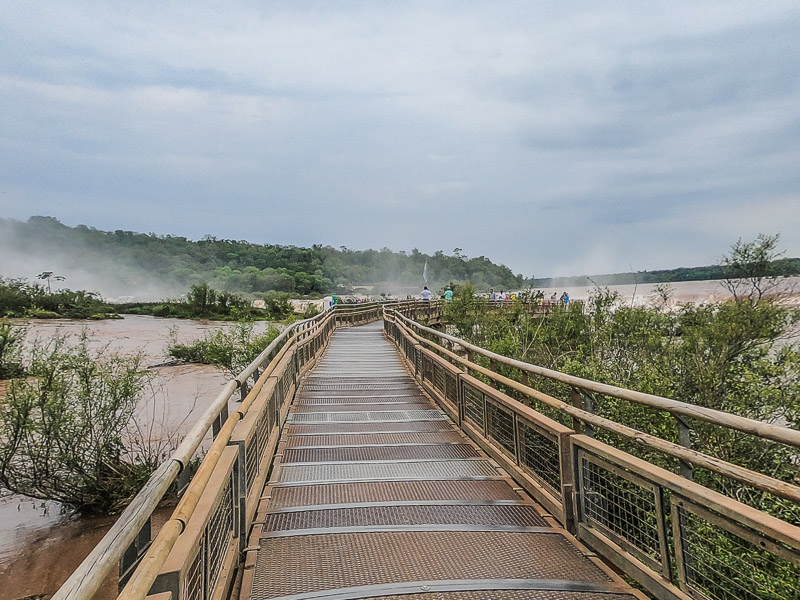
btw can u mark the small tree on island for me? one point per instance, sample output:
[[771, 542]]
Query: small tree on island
[[47, 276], [753, 269]]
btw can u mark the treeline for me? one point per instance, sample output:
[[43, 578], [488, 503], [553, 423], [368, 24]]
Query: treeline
[[241, 266], [786, 266], [204, 302], [18, 298]]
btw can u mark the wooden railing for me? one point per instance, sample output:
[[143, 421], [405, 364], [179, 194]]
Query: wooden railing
[[195, 552], [677, 538]]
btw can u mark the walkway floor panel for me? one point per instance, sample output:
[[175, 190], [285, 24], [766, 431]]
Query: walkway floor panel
[[376, 494]]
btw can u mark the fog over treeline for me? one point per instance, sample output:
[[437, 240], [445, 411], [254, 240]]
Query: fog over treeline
[[125, 265], [129, 266], [28, 249]]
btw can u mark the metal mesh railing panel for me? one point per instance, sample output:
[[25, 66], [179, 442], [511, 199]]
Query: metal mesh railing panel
[[251, 454], [720, 565], [473, 406], [621, 506], [193, 582], [218, 533], [263, 429], [451, 392], [540, 457], [438, 377], [500, 427], [276, 402]]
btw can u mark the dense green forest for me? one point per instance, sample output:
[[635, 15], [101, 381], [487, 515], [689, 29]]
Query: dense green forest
[[240, 266], [128, 263]]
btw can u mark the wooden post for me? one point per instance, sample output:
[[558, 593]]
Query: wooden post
[[685, 440], [576, 399]]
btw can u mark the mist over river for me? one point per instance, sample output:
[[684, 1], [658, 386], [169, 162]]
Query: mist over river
[[696, 292]]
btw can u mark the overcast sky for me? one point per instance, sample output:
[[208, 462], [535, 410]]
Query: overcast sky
[[558, 138]]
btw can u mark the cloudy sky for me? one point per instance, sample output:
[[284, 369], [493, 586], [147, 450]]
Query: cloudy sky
[[558, 138]]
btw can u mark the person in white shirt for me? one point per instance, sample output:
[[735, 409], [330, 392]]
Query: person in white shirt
[[426, 293]]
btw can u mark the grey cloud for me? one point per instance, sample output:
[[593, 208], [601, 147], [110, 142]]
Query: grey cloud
[[571, 133]]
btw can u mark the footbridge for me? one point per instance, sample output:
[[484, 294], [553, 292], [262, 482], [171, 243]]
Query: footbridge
[[367, 455]]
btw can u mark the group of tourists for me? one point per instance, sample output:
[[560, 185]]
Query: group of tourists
[[426, 294], [503, 296], [500, 296]]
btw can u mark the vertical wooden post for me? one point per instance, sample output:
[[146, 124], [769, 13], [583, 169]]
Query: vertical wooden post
[[685, 440], [576, 399]]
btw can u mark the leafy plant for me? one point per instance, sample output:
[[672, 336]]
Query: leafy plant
[[278, 305], [232, 348], [62, 427], [10, 350]]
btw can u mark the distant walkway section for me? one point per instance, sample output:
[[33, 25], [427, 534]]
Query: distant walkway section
[[376, 494]]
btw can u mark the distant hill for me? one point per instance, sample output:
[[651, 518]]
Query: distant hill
[[788, 266], [142, 266]]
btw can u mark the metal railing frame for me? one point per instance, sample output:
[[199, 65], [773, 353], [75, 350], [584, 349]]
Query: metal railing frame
[[667, 567], [307, 339]]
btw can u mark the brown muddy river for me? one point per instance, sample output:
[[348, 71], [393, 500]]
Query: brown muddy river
[[35, 534]]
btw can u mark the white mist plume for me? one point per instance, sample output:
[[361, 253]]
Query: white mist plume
[[27, 258]]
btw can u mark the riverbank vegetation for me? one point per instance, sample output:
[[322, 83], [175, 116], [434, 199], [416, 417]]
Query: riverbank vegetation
[[204, 302], [232, 348], [735, 356], [64, 419], [762, 257], [19, 298], [71, 421]]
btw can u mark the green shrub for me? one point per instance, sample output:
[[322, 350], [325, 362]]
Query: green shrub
[[278, 305], [232, 348], [62, 428], [310, 311], [10, 350]]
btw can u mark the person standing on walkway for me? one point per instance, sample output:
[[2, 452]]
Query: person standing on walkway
[[426, 293], [448, 295]]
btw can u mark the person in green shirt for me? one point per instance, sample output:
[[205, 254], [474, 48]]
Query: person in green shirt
[[448, 295]]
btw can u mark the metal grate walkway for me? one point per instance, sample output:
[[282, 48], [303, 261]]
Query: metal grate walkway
[[376, 494]]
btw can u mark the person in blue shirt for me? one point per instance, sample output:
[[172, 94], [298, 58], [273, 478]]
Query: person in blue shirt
[[448, 295]]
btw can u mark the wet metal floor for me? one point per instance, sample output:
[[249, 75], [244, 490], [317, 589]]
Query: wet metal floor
[[376, 494]]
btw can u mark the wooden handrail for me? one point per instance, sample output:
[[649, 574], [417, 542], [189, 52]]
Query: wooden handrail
[[776, 433], [90, 574], [738, 473]]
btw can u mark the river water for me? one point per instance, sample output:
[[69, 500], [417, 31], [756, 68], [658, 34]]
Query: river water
[[681, 292], [34, 534]]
